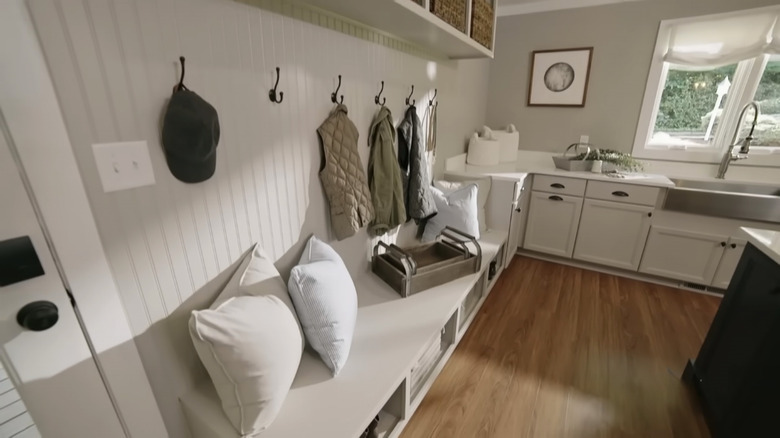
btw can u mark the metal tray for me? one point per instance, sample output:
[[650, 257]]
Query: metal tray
[[412, 270]]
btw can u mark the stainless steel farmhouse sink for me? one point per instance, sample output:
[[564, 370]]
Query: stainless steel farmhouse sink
[[756, 202]]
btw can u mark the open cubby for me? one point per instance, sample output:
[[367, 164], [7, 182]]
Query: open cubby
[[431, 359], [471, 301], [393, 412]]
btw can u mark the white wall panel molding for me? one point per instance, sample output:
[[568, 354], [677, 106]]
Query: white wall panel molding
[[531, 7]]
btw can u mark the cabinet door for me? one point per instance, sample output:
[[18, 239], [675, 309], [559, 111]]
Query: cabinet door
[[613, 233], [682, 255], [728, 263], [552, 223], [732, 360], [515, 221]]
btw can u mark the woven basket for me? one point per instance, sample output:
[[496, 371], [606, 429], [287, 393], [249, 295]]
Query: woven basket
[[482, 22], [451, 11]]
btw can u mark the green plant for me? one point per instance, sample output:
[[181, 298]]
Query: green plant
[[622, 160]]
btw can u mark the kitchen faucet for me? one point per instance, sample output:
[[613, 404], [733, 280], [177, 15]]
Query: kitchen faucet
[[744, 146]]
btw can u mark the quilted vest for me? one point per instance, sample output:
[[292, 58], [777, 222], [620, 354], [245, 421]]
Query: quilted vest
[[342, 175]]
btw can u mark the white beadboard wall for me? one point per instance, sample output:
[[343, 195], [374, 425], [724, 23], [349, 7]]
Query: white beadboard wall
[[114, 63]]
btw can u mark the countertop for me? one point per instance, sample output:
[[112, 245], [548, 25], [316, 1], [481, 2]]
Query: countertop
[[766, 241], [645, 179]]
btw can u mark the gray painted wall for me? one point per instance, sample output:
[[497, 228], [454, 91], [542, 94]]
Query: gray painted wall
[[623, 36]]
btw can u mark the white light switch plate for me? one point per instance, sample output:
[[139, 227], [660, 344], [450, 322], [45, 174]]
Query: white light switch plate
[[124, 165]]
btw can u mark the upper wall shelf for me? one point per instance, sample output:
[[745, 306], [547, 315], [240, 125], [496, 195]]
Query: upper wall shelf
[[410, 21]]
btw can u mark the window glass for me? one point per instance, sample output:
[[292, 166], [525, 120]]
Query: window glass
[[691, 105], [767, 131]]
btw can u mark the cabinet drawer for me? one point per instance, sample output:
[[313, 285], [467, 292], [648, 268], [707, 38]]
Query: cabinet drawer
[[559, 184], [628, 193]]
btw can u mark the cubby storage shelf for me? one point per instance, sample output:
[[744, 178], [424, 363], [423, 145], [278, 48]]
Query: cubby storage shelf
[[392, 334], [410, 21]]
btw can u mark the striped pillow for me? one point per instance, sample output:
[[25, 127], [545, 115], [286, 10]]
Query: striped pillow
[[326, 302]]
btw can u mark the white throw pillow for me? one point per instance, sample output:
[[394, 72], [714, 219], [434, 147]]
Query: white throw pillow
[[483, 191], [326, 301], [251, 348], [457, 209]]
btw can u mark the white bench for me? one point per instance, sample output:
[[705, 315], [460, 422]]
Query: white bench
[[392, 337]]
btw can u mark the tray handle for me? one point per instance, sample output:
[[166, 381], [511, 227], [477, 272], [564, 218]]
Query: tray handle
[[576, 147], [400, 256], [448, 232], [408, 257]]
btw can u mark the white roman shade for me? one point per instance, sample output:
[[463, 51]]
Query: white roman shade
[[725, 39]]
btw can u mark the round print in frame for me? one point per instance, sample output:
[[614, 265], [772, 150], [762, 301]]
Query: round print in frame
[[559, 77]]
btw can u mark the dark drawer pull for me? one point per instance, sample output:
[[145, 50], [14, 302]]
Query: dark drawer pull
[[555, 198], [733, 246], [723, 244], [622, 194], [558, 186], [650, 214]]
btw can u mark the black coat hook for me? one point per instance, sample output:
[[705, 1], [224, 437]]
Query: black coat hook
[[376, 98], [335, 94], [180, 86], [410, 97], [435, 92], [272, 92]]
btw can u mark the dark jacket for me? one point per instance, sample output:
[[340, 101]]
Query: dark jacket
[[384, 175], [412, 159]]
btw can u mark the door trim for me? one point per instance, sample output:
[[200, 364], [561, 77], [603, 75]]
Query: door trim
[[28, 101]]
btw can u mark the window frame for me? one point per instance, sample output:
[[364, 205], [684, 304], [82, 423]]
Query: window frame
[[743, 89]]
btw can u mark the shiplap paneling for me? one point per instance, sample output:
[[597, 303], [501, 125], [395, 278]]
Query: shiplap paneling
[[114, 63]]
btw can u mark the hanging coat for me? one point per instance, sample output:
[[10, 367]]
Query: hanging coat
[[342, 175], [411, 157], [384, 175]]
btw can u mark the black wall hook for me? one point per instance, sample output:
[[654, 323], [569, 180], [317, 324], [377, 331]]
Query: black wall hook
[[376, 98], [435, 92], [334, 94], [410, 97], [272, 92], [180, 86]]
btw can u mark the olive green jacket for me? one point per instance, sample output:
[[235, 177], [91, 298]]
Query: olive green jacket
[[384, 175]]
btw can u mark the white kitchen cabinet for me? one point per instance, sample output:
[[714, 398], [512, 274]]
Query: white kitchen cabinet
[[613, 233], [552, 223], [728, 262], [519, 218], [682, 255]]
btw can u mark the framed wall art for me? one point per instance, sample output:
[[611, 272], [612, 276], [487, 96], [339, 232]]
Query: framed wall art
[[560, 77]]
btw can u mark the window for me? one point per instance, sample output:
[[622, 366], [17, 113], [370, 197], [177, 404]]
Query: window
[[704, 71], [767, 131], [691, 105]]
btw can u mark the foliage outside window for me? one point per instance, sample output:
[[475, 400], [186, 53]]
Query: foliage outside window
[[687, 114], [768, 97]]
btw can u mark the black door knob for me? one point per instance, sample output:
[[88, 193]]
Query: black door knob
[[38, 316]]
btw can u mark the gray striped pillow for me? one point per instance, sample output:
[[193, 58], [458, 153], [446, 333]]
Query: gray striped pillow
[[326, 302]]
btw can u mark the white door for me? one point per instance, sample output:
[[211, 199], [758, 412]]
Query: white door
[[612, 233], [52, 370], [682, 255], [728, 263], [552, 223]]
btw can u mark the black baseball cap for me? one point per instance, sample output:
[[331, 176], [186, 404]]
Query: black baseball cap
[[190, 136]]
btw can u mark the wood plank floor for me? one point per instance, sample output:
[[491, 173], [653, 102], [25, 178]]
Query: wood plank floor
[[558, 351]]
